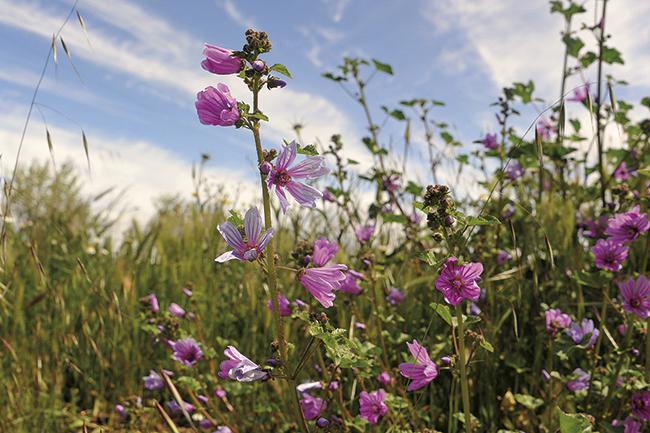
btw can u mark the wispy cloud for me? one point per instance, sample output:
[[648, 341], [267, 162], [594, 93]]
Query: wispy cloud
[[235, 14], [336, 8]]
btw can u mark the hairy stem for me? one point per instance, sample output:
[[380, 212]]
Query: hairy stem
[[599, 131], [464, 385]]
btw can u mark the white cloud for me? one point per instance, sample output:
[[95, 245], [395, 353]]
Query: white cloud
[[336, 8], [143, 169], [235, 14]]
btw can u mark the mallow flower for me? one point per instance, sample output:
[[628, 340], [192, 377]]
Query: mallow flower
[[240, 368], [640, 403], [249, 248], [610, 255], [364, 233], [458, 282], [220, 60], [372, 405], [628, 226], [636, 296], [284, 173], [580, 94], [187, 351], [423, 371], [580, 382], [578, 332], [556, 320], [215, 106], [153, 381], [490, 141], [514, 170], [322, 279], [351, 283], [312, 406], [285, 305]]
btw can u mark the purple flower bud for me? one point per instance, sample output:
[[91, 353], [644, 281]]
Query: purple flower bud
[[272, 362], [176, 310], [446, 360], [384, 378], [205, 423], [450, 220], [203, 399], [220, 60], [635, 351], [545, 375], [266, 167], [121, 411], [334, 385], [187, 292], [322, 422], [276, 82], [219, 392], [153, 301], [259, 65]]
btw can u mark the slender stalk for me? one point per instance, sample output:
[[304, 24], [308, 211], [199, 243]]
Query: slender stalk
[[619, 364], [464, 385], [647, 349], [599, 132], [271, 269]]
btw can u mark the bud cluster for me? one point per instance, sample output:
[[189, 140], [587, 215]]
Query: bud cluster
[[439, 206], [257, 42]]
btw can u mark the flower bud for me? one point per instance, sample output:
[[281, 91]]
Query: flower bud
[[259, 65], [322, 422], [266, 167]]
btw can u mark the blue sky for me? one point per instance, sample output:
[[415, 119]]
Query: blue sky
[[141, 71]]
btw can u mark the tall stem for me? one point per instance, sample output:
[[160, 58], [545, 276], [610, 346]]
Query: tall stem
[[599, 132], [464, 385], [271, 269]]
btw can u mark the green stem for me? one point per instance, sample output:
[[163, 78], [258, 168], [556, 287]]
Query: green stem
[[271, 270], [464, 385], [599, 103], [619, 364]]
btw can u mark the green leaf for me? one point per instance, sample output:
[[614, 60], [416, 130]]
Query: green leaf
[[309, 149], [524, 91], [383, 67], [443, 311], [574, 45], [487, 346], [574, 423], [612, 55], [235, 218], [259, 115], [333, 77], [394, 218], [528, 401], [280, 68], [646, 101], [481, 221], [395, 114], [588, 58]]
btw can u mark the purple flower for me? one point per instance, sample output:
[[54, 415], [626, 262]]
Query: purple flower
[[580, 382], [364, 233], [282, 177], [640, 404], [322, 422], [595, 229], [275, 82], [258, 65], [384, 378], [322, 280], [458, 282], [508, 211], [580, 94], [328, 196], [176, 409], [391, 183], [153, 301], [333, 386], [514, 170], [187, 292], [312, 406], [610, 255], [395, 296], [628, 226], [187, 351], [203, 399], [121, 411], [216, 106], [423, 371], [285, 306], [636, 296], [359, 325], [415, 218], [239, 368], [351, 283], [545, 128], [222, 429], [578, 332], [546, 375], [556, 320], [220, 60], [372, 406], [631, 425], [490, 141], [219, 392], [176, 310], [153, 381], [252, 246], [621, 172], [503, 257]]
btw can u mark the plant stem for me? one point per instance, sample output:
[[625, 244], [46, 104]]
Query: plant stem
[[619, 364], [599, 132], [271, 271], [464, 385]]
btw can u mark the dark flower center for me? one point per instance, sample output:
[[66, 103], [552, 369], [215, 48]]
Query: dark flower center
[[457, 282], [281, 178], [635, 302]]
